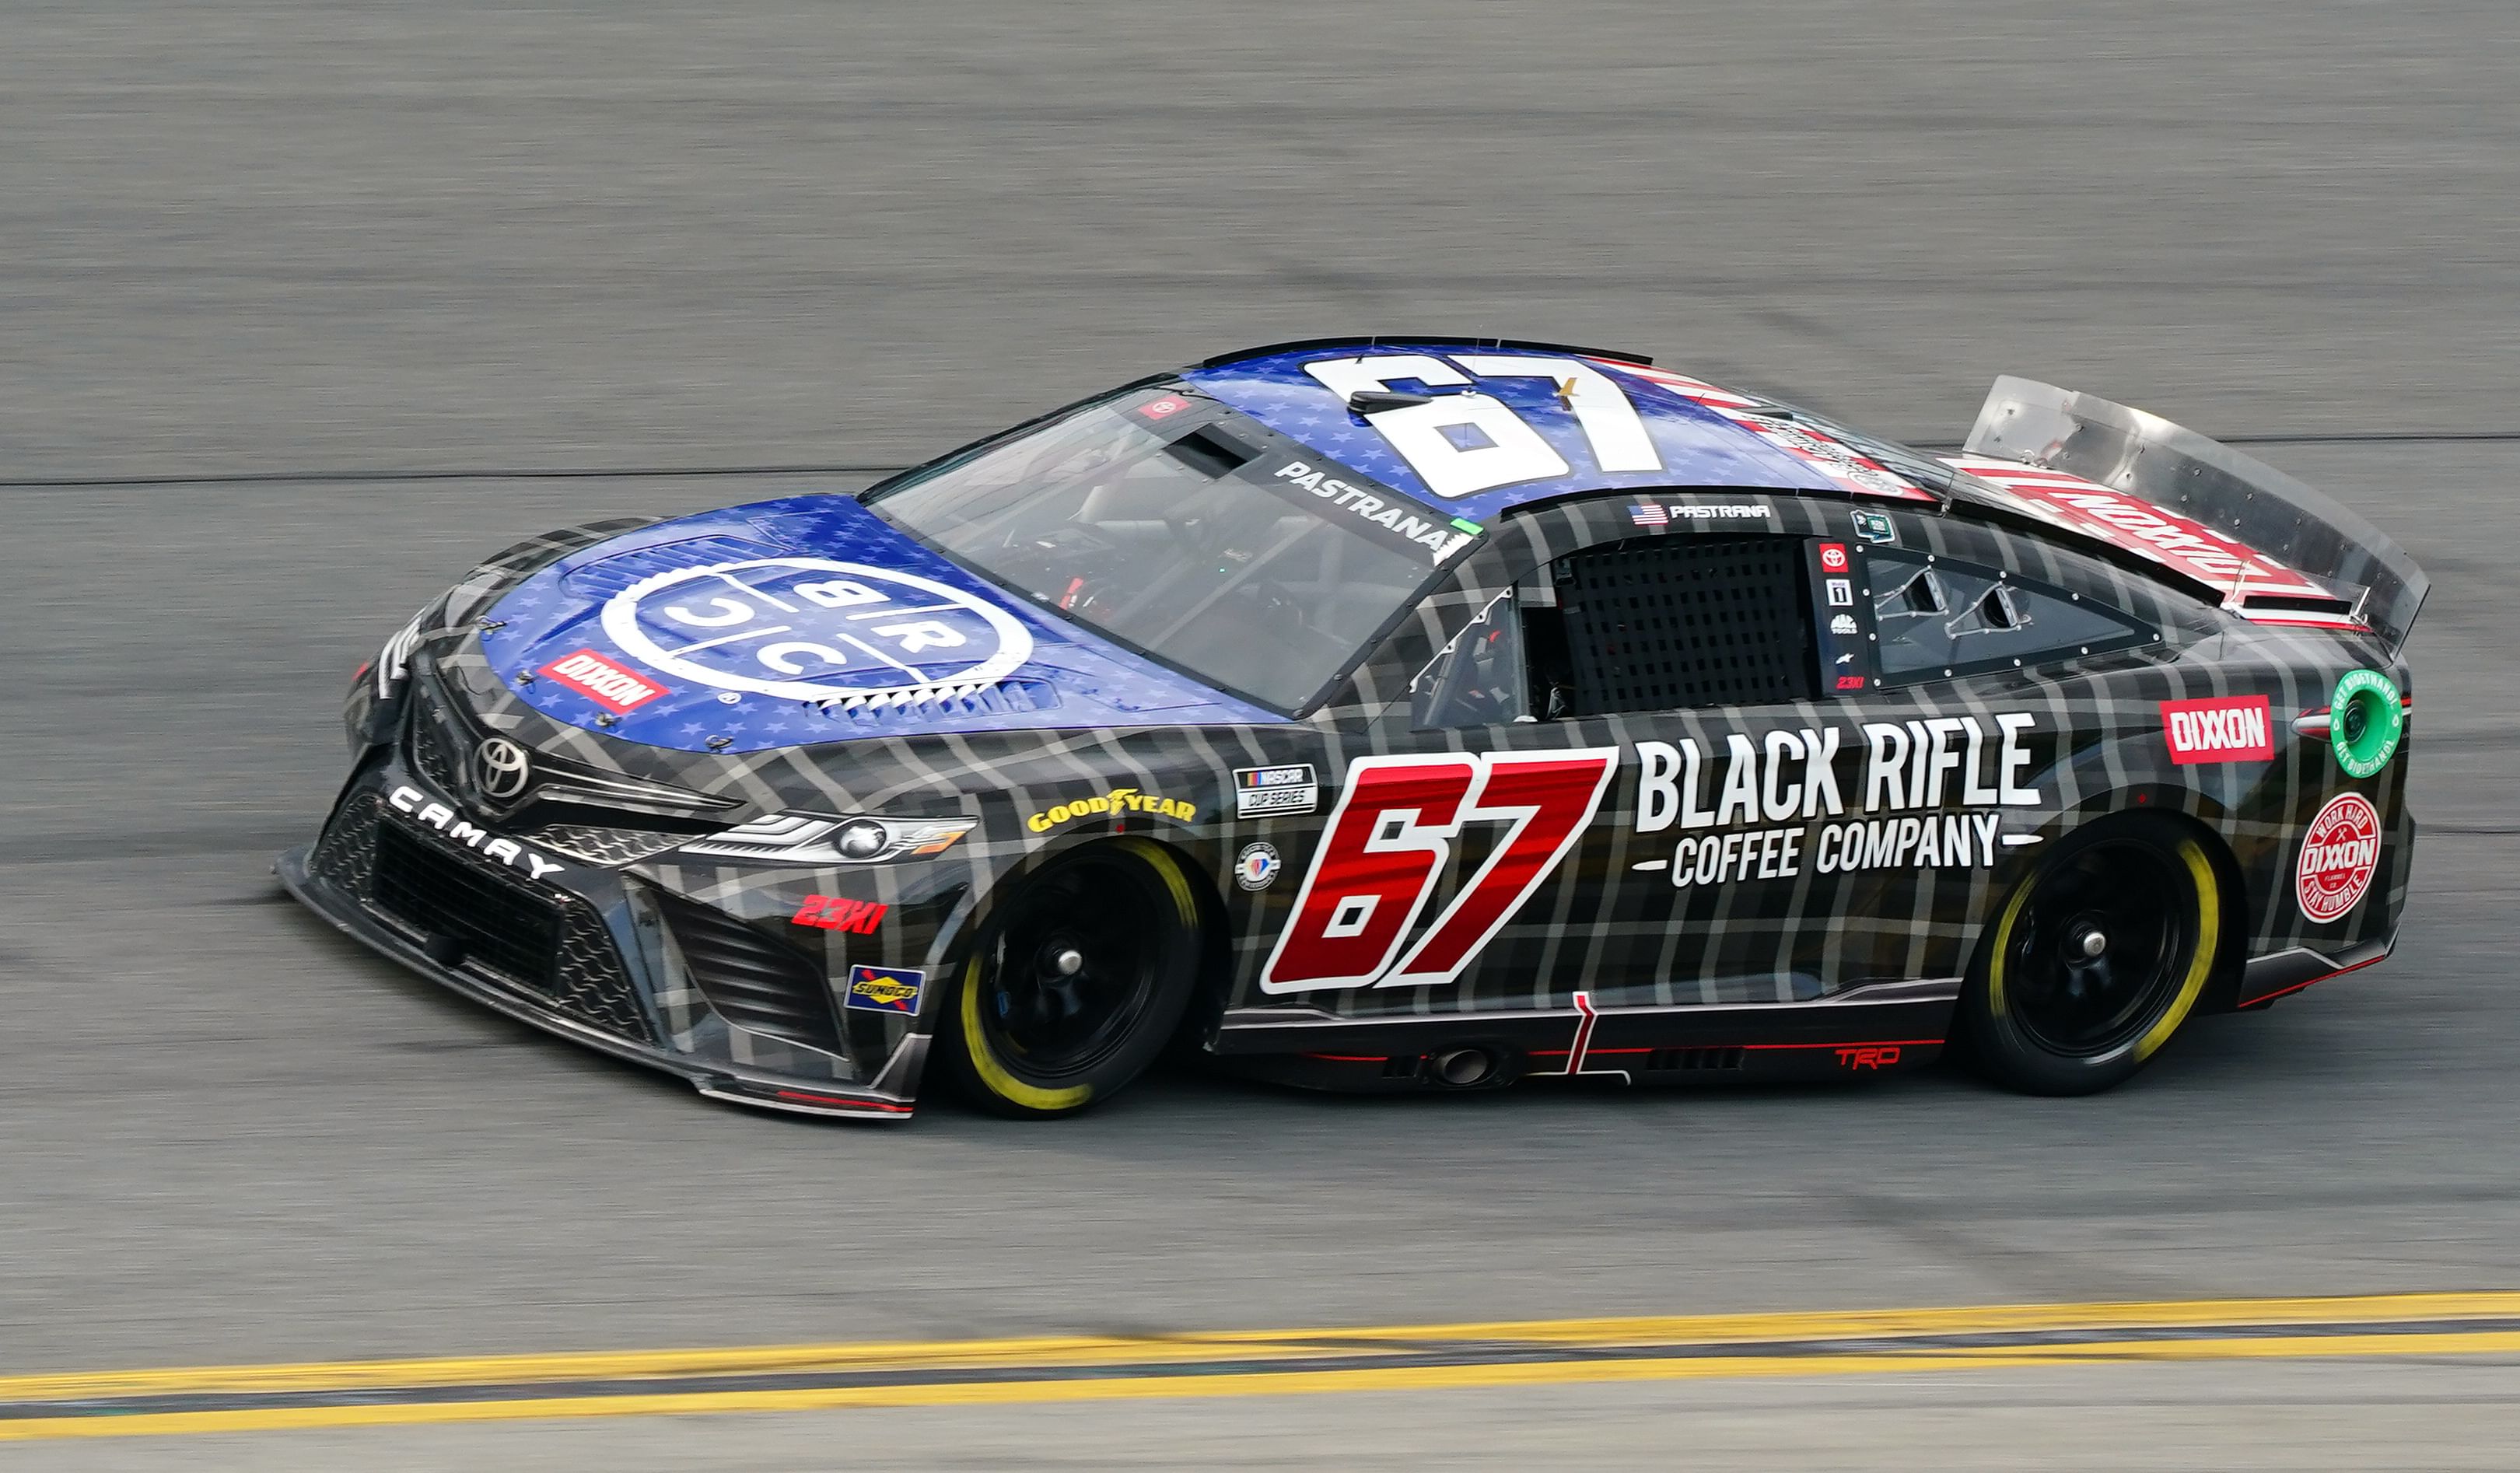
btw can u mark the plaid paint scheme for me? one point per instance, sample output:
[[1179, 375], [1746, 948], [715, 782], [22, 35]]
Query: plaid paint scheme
[[1630, 939]]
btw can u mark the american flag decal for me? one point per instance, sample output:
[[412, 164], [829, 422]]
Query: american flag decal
[[1648, 515]]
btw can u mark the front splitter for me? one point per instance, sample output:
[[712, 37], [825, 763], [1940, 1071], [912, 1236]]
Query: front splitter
[[760, 1090]]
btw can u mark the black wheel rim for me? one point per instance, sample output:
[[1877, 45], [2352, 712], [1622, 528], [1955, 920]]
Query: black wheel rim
[[1098, 916], [2099, 948]]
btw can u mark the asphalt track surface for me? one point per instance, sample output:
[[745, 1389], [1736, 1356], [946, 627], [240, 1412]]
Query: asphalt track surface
[[260, 265]]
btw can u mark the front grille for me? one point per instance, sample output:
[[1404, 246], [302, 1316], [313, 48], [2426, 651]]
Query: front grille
[[597, 844], [555, 946], [499, 925], [347, 850], [588, 984], [436, 749], [750, 980]]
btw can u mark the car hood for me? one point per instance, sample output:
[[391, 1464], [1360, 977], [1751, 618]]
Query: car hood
[[805, 621]]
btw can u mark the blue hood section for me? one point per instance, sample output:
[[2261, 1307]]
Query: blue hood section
[[805, 621], [1690, 444]]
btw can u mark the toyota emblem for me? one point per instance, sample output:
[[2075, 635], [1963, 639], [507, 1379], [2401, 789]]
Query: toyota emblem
[[500, 767]]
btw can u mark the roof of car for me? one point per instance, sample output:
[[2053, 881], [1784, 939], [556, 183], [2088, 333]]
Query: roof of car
[[1559, 434]]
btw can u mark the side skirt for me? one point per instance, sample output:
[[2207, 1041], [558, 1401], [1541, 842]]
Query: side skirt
[[1870, 1030], [2278, 973]]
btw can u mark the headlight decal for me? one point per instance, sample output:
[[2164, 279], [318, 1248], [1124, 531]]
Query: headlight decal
[[797, 838]]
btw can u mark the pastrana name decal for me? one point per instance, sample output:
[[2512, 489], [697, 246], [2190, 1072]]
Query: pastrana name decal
[[1442, 537]]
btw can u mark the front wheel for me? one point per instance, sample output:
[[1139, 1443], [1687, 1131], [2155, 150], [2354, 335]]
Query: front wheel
[[1077, 983], [2096, 960]]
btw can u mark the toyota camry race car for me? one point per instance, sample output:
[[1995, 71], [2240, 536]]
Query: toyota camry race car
[[1405, 715]]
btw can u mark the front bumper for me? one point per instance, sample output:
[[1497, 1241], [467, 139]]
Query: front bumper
[[613, 977]]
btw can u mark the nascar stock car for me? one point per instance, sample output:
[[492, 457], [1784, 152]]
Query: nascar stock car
[[1405, 714]]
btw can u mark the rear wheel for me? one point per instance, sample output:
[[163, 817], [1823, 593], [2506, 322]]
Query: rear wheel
[[2095, 961], [1078, 981]]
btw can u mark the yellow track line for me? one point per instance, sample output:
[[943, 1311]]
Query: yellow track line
[[2439, 1312]]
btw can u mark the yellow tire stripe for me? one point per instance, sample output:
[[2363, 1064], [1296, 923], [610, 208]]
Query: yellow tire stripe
[[2004, 943], [2209, 936], [994, 1074]]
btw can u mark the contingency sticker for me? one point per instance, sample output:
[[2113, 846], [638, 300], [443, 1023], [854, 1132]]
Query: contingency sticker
[[2338, 857], [1267, 791], [886, 988], [2223, 729]]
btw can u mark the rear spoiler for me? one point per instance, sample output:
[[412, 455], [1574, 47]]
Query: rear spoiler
[[2222, 494]]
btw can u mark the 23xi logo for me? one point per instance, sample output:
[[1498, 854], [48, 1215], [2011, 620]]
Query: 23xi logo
[[1386, 848], [812, 629]]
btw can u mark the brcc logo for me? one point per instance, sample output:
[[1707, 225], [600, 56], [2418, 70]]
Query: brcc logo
[[813, 629]]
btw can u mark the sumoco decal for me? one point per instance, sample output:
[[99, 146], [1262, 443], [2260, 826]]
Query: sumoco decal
[[602, 682], [446, 820], [813, 629], [834, 913], [886, 988], [1118, 802], [1265, 791], [2223, 729], [1256, 866], [1383, 852], [1912, 774], [2339, 854]]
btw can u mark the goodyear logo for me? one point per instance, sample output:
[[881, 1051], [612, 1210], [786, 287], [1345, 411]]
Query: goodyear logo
[[886, 988], [1120, 800]]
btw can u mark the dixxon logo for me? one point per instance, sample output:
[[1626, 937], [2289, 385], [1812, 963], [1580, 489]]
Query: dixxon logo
[[1388, 843], [2225, 729]]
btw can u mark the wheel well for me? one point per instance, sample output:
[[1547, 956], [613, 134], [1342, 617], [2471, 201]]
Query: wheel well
[[2230, 952]]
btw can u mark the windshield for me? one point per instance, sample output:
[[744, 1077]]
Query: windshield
[[1188, 532]]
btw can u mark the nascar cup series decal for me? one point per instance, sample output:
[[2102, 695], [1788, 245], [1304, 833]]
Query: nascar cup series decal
[[813, 629]]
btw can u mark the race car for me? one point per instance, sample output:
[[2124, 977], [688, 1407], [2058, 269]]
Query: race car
[[1422, 714]]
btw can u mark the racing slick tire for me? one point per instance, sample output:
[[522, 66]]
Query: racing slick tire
[[1079, 980], [2096, 958]]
